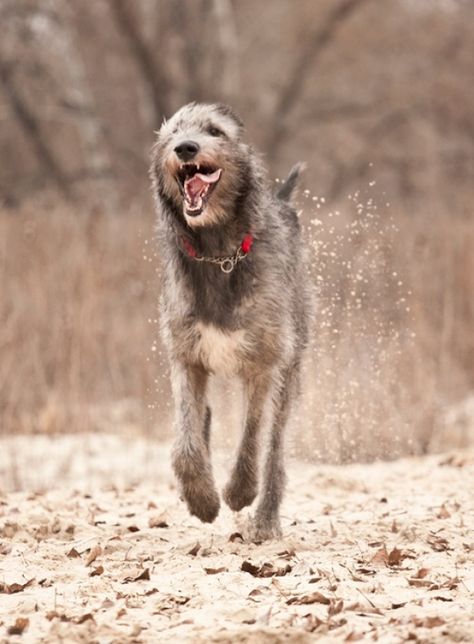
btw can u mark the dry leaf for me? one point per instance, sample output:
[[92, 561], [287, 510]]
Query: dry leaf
[[133, 528], [207, 552], [370, 609], [313, 598], [421, 583], [195, 549], [9, 589], [450, 584], [78, 619], [265, 570], [439, 544], [258, 592], [157, 522], [236, 536], [97, 571], [392, 558], [443, 512], [287, 554], [94, 552], [249, 567], [73, 553], [421, 574], [354, 637], [82, 618], [335, 606], [215, 571], [170, 603], [137, 575], [428, 622], [5, 548], [381, 556], [395, 557], [107, 603], [366, 571], [19, 626], [312, 623]]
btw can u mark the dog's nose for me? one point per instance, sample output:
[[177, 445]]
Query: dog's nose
[[187, 150]]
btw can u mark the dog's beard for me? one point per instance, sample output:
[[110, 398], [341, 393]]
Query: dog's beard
[[197, 183]]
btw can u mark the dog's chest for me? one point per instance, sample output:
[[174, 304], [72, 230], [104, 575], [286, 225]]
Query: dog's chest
[[218, 350]]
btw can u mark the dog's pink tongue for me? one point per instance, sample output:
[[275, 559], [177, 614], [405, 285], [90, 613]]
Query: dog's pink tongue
[[196, 184]]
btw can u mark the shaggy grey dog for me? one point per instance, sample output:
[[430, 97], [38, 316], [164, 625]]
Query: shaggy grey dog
[[235, 301]]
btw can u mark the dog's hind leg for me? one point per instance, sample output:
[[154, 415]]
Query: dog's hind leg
[[191, 461], [267, 515], [242, 489]]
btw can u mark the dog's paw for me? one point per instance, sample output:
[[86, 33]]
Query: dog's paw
[[196, 485], [200, 495], [203, 504], [239, 493], [264, 530]]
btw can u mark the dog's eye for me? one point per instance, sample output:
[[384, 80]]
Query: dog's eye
[[214, 131]]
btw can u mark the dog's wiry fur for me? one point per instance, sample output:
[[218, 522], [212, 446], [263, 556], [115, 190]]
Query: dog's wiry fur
[[251, 323]]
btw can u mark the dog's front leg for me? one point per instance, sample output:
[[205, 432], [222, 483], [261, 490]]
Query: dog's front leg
[[191, 462], [241, 489], [267, 515]]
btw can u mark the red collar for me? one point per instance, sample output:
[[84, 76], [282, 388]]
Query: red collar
[[227, 264]]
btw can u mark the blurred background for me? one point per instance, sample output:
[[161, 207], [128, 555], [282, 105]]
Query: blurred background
[[377, 99]]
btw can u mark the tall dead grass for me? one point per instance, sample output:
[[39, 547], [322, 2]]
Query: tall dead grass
[[393, 342], [393, 347], [75, 303]]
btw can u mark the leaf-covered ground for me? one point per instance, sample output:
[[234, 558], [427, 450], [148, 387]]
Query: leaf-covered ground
[[88, 553]]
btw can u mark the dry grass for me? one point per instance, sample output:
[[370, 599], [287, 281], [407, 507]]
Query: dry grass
[[393, 348], [394, 344], [75, 336]]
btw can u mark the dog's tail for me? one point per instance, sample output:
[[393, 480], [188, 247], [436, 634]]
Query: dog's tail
[[287, 188]]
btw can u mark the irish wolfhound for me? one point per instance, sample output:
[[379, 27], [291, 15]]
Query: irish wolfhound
[[234, 301]]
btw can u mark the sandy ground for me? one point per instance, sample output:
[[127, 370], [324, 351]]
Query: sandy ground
[[96, 547]]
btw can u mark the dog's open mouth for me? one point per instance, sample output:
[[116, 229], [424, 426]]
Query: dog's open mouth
[[197, 183]]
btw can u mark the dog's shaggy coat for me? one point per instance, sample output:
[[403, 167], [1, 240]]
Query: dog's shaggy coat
[[212, 193]]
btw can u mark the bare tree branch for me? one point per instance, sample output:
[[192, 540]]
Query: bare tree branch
[[227, 36], [183, 21], [155, 80], [32, 129], [358, 167], [304, 63]]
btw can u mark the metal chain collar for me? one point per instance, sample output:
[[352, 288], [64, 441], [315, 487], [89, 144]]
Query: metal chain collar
[[227, 264]]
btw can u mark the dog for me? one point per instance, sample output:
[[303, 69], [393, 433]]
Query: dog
[[235, 301]]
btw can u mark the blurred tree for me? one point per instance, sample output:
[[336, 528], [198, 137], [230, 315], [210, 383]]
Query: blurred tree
[[341, 84]]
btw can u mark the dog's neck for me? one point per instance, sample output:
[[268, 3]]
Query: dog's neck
[[218, 240]]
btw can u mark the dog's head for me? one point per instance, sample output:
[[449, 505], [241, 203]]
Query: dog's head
[[199, 162]]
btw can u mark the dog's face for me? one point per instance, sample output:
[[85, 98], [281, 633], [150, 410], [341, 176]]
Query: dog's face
[[199, 162]]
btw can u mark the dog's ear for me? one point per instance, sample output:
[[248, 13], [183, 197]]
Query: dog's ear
[[227, 110]]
